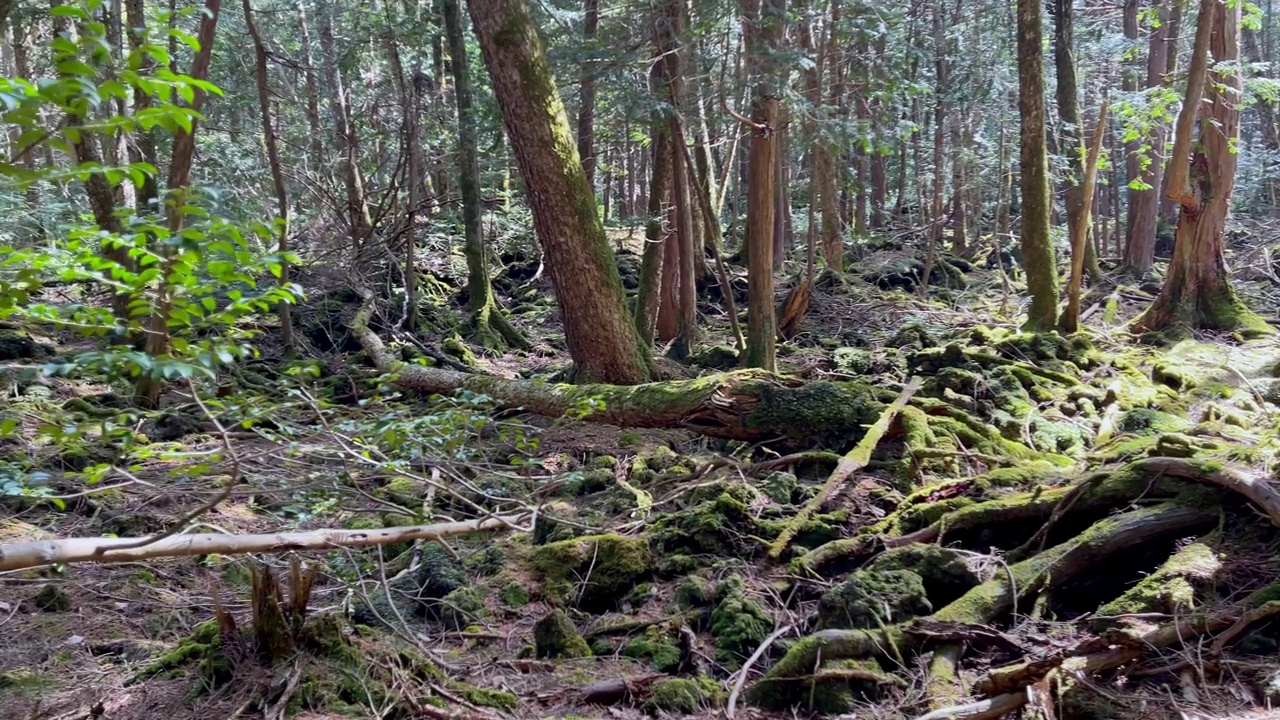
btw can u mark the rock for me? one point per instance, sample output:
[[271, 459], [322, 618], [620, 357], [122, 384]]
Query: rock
[[656, 647], [738, 623], [599, 569], [945, 574], [870, 599], [514, 595], [555, 637], [693, 592], [685, 695], [18, 345], [715, 357], [461, 607]]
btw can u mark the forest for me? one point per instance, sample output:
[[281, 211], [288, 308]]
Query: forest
[[566, 359]]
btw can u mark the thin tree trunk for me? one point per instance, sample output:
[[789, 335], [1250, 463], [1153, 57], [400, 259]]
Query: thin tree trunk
[[1071, 315], [670, 32], [277, 172], [939, 124], [765, 24], [600, 336], [359, 221], [315, 146], [1169, 208], [587, 93], [158, 342], [1132, 148], [1145, 203], [1037, 250], [651, 261], [1069, 126], [489, 327]]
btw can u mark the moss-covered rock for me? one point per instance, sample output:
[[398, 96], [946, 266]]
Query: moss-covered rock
[[655, 647], [18, 345], [738, 623], [943, 572], [1146, 421], [461, 607], [912, 335], [685, 695], [514, 595], [52, 598], [600, 569], [855, 361], [693, 592], [555, 637], [715, 357], [872, 599]]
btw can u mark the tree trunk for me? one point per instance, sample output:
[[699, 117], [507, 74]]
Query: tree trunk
[[941, 69], [1197, 292], [587, 93], [600, 335], [1145, 203], [273, 161], [1169, 208], [1133, 147], [489, 327], [158, 342], [1037, 250], [764, 27], [1069, 127], [1080, 233], [651, 261], [820, 151], [359, 221], [315, 146]]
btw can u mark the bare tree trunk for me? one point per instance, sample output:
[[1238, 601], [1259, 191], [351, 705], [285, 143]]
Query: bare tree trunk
[[1037, 249], [158, 342], [651, 261], [1071, 315], [273, 161], [587, 93], [941, 70], [1169, 208], [1145, 203], [765, 24], [1132, 148], [601, 338], [316, 145], [359, 221], [1197, 292]]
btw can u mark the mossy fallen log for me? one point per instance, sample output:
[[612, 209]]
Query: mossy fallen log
[[740, 405]]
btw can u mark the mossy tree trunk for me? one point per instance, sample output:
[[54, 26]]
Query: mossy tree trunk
[[1197, 292], [1070, 131], [601, 338], [489, 326], [587, 95], [764, 26], [1037, 251]]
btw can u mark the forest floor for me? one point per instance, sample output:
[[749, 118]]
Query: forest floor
[[1070, 524]]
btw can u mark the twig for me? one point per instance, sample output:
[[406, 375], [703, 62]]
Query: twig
[[742, 674]]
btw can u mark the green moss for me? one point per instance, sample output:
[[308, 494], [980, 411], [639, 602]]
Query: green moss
[[459, 608], [943, 572], [856, 361], [402, 491], [1172, 374], [781, 487], [1172, 588], [603, 568], [685, 695], [656, 647], [439, 574], [911, 335], [555, 637], [1145, 421], [825, 413], [204, 647], [52, 598], [738, 624], [22, 681], [693, 592], [514, 595], [871, 599], [716, 527], [675, 565]]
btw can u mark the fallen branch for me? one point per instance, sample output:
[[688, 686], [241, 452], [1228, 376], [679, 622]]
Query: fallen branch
[[852, 462], [732, 708], [18, 556], [995, 707]]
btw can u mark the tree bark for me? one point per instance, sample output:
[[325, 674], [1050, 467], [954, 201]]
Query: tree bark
[[651, 261], [1140, 251], [1197, 292], [1037, 250], [489, 327], [764, 27], [587, 94], [1080, 233], [598, 331], [315, 146], [1130, 83], [359, 221], [689, 249], [1069, 128]]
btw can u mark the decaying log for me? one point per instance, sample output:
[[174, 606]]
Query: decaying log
[[741, 405], [36, 553]]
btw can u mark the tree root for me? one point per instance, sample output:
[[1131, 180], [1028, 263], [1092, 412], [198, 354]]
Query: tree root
[[998, 596]]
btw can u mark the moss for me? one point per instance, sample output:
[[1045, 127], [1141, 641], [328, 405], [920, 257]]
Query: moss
[[911, 335], [640, 595], [820, 412], [555, 637], [715, 527], [871, 599], [1172, 374], [715, 357], [402, 491], [685, 695], [1172, 587], [1061, 436], [580, 483], [675, 565], [488, 697], [656, 647], [439, 574], [629, 439], [1145, 421], [20, 681], [18, 345], [856, 361], [52, 598], [603, 567], [604, 462], [693, 592], [489, 561], [943, 572], [203, 646], [514, 595], [460, 607], [738, 624], [781, 487]]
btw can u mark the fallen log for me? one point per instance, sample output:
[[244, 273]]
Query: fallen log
[[740, 405], [855, 460], [36, 553]]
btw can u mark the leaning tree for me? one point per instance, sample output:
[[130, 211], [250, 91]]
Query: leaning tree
[[1197, 292], [601, 337]]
